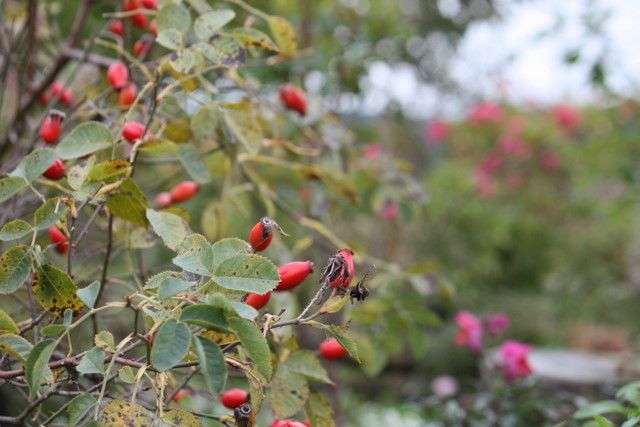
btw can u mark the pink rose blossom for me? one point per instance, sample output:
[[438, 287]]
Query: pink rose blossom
[[514, 360], [497, 323], [437, 131], [484, 183], [469, 331], [372, 151], [514, 146], [550, 160], [492, 161], [567, 117], [486, 112]]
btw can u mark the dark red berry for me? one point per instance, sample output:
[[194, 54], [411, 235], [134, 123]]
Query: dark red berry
[[261, 234], [51, 127], [58, 237], [293, 98], [55, 171], [234, 397], [118, 75], [332, 349], [116, 27], [127, 95], [293, 273], [181, 394], [132, 131], [141, 47], [184, 191]]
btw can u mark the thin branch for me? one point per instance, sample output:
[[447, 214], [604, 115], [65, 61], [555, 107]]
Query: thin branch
[[105, 269]]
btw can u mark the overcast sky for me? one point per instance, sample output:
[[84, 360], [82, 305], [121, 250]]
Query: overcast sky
[[511, 59]]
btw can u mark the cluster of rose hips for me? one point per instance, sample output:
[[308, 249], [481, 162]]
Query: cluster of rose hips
[[57, 90]]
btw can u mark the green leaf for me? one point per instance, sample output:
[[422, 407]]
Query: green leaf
[[205, 123], [155, 145], [118, 413], [598, 408], [35, 164], [170, 227], [53, 330], [92, 362], [181, 418], [10, 186], [129, 203], [254, 343], [154, 281], [319, 411], [193, 163], [306, 364], [289, 392], [89, 293], [16, 346], [631, 422], [252, 37], [109, 171], [170, 38], [195, 255], [84, 139], [7, 324], [209, 23], [346, 341], [105, 341], [206, 316], [245, 311], [223, 51], [79, 407], [78, 173], [170, 286], [250, 273], [15, 266], [630, 392], [36, 365], [14, 230], [170, 345], [285, 35], [335, 304], [603, 422], [49, 213], [55, 291], [224, 249], [174, 15], [243, 126], [126, 375], [212, 364]]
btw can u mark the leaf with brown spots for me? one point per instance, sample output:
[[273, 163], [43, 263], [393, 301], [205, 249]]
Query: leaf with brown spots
[[285, 35], [178, 417], [55, 291], [118, 413], [250, 273]]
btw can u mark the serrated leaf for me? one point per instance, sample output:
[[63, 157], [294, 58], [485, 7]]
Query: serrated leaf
[[284, 35], [154, 281], [212, 364], [306, 364], [89, 293], [250, 273], [84, 139], [289, 392], [228, 248], [49, 213], [254, 343], [15, 230], [245, 311], [193, 163], [16, 346], [253, 37], [7, 324], [10, 186], [170, 345], [170, 227], [118, 413], [35, 164], [195, 255], [55, 291], [92, 362], [319, 411], [109, 170], [15, 266], [36, 365], [78, 173], [206, 316], [53, 330], [170, 286], [129, 203], [79, 407], [346, 341], [105, 341], [209, 23], [170, 38], [175, 16], [181, 418]]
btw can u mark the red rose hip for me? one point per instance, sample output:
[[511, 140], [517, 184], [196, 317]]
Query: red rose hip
[[55, 171], [58, 237], [293, 98], [287, 423], [181, 394], [51, 127], [184, 191], [132, 131], [293, 273], [234, 397], [340, 270], [116, 27], [127, 95], [118, 75], [331, 349], [261, 234], [257, 301], [163, 200]]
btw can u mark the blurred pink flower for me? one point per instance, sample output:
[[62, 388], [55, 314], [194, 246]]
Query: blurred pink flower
[[515, 146], [444, 386], [567, 117], [372, 151], [515, 180], [550, 160], [515, 126], [514, 360], [486, 112], [391, 210], [497, 323], [491, 162], [484, 183], [469, 331], [437, 131]]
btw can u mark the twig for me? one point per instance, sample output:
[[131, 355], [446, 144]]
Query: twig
[[105, 268]]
